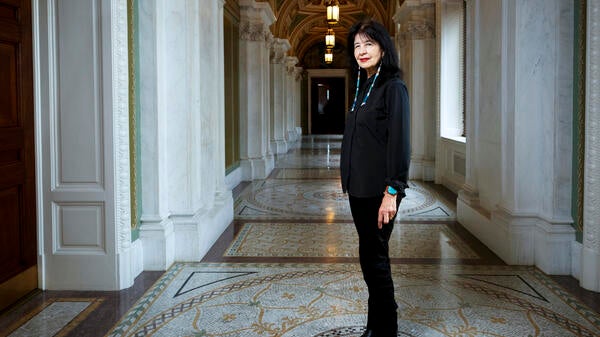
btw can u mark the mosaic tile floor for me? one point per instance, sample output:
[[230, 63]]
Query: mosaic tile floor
[[340, 240], [56, 317], [299, 213], [288, 266], [311, 198], [204, 299]]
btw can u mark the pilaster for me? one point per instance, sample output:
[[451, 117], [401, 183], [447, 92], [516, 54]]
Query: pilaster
[[415, 21], [279, 48], [469, 192], [298, 73], [255, 37], [516, 198], [291, 99], [186, 205]]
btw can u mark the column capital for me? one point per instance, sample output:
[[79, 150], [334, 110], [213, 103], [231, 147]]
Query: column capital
[[279, 48], [255, 19], [418, 31], [415, 10], [298, 73], [416, 20], [291, 62]]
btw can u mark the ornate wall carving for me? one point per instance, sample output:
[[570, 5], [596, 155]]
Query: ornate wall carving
[[591, 212], [120, 75]]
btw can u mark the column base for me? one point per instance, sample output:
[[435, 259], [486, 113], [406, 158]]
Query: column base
[[279, 146], [257, 168], [158, 242], [292, 136], [422, 170], [469, 196], [195, 234], [521, 240]]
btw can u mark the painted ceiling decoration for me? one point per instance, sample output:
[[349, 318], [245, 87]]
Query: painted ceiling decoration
[[303, 24]]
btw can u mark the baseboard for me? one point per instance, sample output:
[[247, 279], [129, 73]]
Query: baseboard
[[576, 248], [234, 178], [131, 264], [480, 225], [590, 269]]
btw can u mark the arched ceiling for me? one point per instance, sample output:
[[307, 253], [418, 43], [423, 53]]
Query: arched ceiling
[[303, 24]]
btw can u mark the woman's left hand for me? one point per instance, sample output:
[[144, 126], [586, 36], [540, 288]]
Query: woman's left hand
[[387, 210]]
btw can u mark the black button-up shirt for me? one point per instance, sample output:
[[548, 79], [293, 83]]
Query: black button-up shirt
[[376, 144]]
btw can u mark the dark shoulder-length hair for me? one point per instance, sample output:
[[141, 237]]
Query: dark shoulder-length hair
[[377, 32]]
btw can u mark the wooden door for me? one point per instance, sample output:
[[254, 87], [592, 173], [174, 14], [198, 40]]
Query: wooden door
[[18, 270]]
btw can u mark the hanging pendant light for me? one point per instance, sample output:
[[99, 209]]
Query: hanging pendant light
[[333, 12], [330, 39], [328, 56]]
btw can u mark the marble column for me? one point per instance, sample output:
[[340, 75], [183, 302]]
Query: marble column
[[185, 205], [156, 228], [535, 204], [211, 201], [521, 155], [278, 94], [590, 262], [415, 21], [291, 99], [255, 37]]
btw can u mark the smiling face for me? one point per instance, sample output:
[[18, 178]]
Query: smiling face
[[367, 53]]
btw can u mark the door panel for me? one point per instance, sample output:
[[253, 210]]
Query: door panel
[[17, 169]]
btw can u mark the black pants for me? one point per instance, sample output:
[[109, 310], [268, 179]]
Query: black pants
[[375, 264]]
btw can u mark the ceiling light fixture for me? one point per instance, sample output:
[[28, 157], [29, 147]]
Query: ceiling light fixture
[[328, 56], [333, 12], [330, 39]]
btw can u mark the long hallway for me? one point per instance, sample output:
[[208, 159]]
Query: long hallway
[[288, 266]]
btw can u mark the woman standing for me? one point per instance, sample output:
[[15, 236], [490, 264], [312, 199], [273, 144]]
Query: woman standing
[[374, 163]]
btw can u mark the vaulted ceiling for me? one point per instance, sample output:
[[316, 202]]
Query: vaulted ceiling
[[303, 24]]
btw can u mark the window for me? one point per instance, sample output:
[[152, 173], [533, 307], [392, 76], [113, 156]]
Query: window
[[452, 70]]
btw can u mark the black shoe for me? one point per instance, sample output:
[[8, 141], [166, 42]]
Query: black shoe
[[368, 333]]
